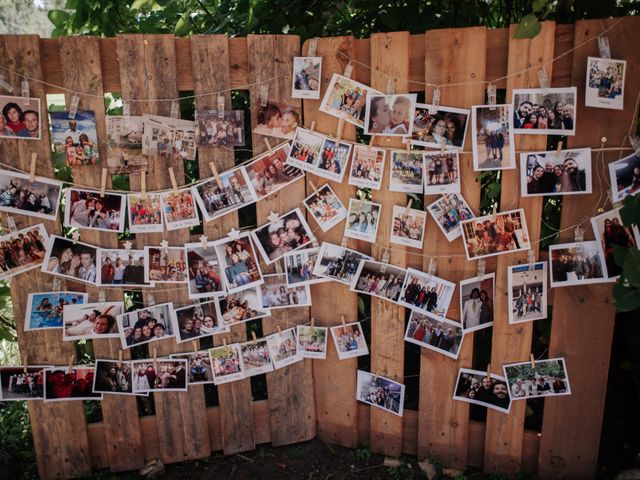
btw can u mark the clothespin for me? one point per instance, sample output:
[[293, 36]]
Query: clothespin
[[442, 148], [25, 363], [635, 143], [11, 223], [25, 92], [344, 242], [533, 361], [216, 175], [409, 203], [127, 246], [55, 284], [255, 339], [103, 182], [377, 374], [481, 267], [72, 359], [75, 236], [194, 344], [6, 85], [543, 78], [313, 46], [579, 235], [494, 212], [278, 329], [343, 321], [204, 241], [155, 358], [385, 256], [489, 371], [435, 102], [391, 86], [531, 259], [348, 70], [559, 148], [408, 146], [372, 140], [313, 186], [174, 184], [175, 109], [313, 126], [119, 357], [279, 268], [273, 217], [264, 94], [143, 184], [126, 111], [433, 265], [221, 106], [603, 46], [339, 130], [151, 300], [73, 106], [313, 322], [101, 295], [491, 96], [268, 144]]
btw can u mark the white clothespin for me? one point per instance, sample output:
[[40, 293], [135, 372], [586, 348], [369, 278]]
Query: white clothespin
[[6, 85], [203, 241], [220, 106], [56, 284], [348, 70], [391, 86], [578, 238], [268, 145], [543, 78], [175, 109], [603, 46], [151, 300], [494, 213], [481, 267], [433, 266], [73, 106], [435, 102], [408, 209], [25, 92], [313, 46], [491, 96], [72, 359], [264, 94], [101, 295], [11, 223], [32, 170], [279, 270], [313, 126], [531, 259], [385, 256]]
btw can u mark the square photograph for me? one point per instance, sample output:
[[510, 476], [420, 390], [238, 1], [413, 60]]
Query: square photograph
[[325, 207], [379, 279], [168, 138], [197, 321], [427, 294], [239, 262], [179, 209], [576, 264], [448, 211], [605, 83], [91, 320], [527, 292], [333, 160], [45, 309], [18, 194], [145, 214], [625, 177], [113, 377], [145, 325], [550, 111], [338, 263], [283, 348], [217, 199], [367, 167], [441, 172], [437, 126], [62, 383], [277, 294], [20, 117], [226, 363], [87, 209], [492, 137], [312, 341], [441, 336], [203, 269], [161, 375], [349, 340], [306, 150], [299, 266], [75, 140], [274, 239], [241, 306], [165, 265], [545, 378], [481, 388], [214, 129], [69, 259], [406, 172], [307, 74], [121, 267], [609, 231], [269, 172], [124, 145], [488, 236], [566, 172], [198, 367], [277, 120], [380, 392], [256, 357], [21, 383], [476, 302], [408, 226], [390, 115], [346, 98], [363, 219]]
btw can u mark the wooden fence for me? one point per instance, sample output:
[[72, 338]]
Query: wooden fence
[[316, 398]]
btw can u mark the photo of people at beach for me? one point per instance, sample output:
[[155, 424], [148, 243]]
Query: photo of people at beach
[[45, 309]]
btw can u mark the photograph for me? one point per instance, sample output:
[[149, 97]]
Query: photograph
[[45, 309], [203, 270], [113, 377], [21, 383], [564, 172], [196, 321], [349, 340], [23, 250], [214, 130], [312, 341], [145, 214], [289, 233], [380, 392], [406, 172], [87, 209], [476, 302], [427, 294], [448, 211], [239, 262], [408, 226], [165, 265], [198, 367], [325, 207], [367, 167], [363, 219], [379, 279], [168, 138], [269, 172], [277, 120], [256, 357], [306, 150], [299, 265], [226, 363], [75, 140], [306, 77], [549, 111], [277, 294], [527, 292], [543, 378], [492, 137], [390, 115], [62, 383], [163, 374], [241, 306], [442, 336], [283, 348], [441, 172], [20, 117], [333, 160], [488, 236], [91, 320], [576, 264], [145, 325], [346, 98], [69, 259], [338, 263], [216, 200], [124, 145], [179, 209], [121, 267], [18, 194], [436, 125], [608, 231], [625, 177], [605, 83], [481, 388]]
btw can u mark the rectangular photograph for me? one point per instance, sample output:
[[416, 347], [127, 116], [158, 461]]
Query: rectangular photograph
[[492, 137], [379, 279], [576, 264], [113, 377], [307, 74], [217, 199], [179, 209], [346, 98], [545, 378], [20, 117], [241, 306], [283, 348], [18, 194], [333, 159], [145, 325], [527, 292], [21, 383], [609, 231], [380, 392], [390, 115], [549, 111], [91, 320], [312, 341], [277, 120], [161, 375], [299, 266], [448, 211], [436, 126], [87, 209], [625, 177], [337, 263], [203, 269], [196, 321], [306, 150], [23, 250], [363, 218], [269, 172], [226, 363], [121, 267], [488, 236], [605, 83], [198, 367], [565, 172], [165, 265], [274, 239], [145, 214], [256, 357], [69, 259], [441, 172], [75, 140], [408, 226], [124, 145], [476, 302], [427, 294], [215, 130], [239, 262], [277, 294], [45, 309], [367, 167], [407, 171], [481, 388], [441, 336], [62, 383], [171, 139], [325, 207], [349, 340]]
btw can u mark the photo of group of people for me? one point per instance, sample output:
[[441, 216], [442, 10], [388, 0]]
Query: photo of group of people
[[196, 321], [239, 265], [363, 218], [312, 341], [550, 111], [214, 128], [482, 388], [493, 235], [346, 98], [75, 140], [349, 340], [441, 173], [576, 264], [379, 279], [408, 226], [89, 209], [325, 207], [274, 239], [269, 172], [45, 309], [69, 259], [299, 266], [203, 270], [226, 193], [121, 267], [168, 375], [338, 263], [179, 209], [91, 320], [367, 167], [380, 392], [145, 214], [437, 126], [256, 357], [492, 137], [226, 363], [76, 383], [441, 336], [540, 378], [390, 115], [604, 87], [20, 117], [406, 172], [306, 77], [168, 138], [21, 383], [319, 155], [277, 120], [556, 173], [427, 294], [23, 250], [241, 306], [527, 292], [165, 265], [476, 302], [18, 194], [113, 377], [124, 144], [448, 211], [146, 325], [283, 347], [199, 371], [277, 294], [609, 231], [625, 177]]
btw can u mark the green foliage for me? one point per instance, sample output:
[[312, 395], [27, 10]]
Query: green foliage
[[16, 443], [362, 454], [528, 27], [626, 291]]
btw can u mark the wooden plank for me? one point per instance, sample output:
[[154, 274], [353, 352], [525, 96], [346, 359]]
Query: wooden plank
[[583, 317], [562, 67], [290, 389], [512, 343], [451, 56], [497, 45]]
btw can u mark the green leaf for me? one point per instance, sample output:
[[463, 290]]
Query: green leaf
[[183, 26], [58, 17], [164, 3], [538, 5], [138, 4], [631, 268], [360, 305], [627, 298], [630, 211], [71, 4], [619, 254], [528, 27]]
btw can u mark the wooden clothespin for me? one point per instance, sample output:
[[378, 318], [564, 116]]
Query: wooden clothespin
[[377, 374], [216, 176], [531, 259], [433, 266], [481, 267], [533, 361], [313, 186], [224, 341], [73, 106], [494, 212], [442, 148], [25, 363], [103, 182], [489, 371], [409, 203], [32, 170], [119, 357], [344, 242], [143, 184], [313, 322], [268, 145], [343, 321], [255, 339], [155, 358], [204, 241], [339, 130], [372, 140], [313, 126], [174, 184], [72, 359], [194, 344], [221, 103], [278, 328], [559, 148], [25, 92], [279, 271]]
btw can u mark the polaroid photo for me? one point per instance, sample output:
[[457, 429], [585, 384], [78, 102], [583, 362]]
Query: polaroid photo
[[488, 235], [367, 167], [277, 120], [21, 383], [179, 209], [543, 378], [75, 140], [215, 130], [477, 387], [349, 340], [277, 294], [241, 306], [477, 296], [550, 111], [269, 172], [239, 262], [380, 392], [441, 172], [226, 363], [45, 309], [18, 194], [379, 279], [20, 118], [625, 177], [274, 239], [346, 98], [325, 207], [256, 357], [408, 226], [168, 138], [527, 292], [407, 171], [161, 375], [306, 150], [306, 78], [165, 265], [198, 367], [426, 294], [609, 231], [113, 377], [217, 199], [91, 320], [69, 259], [576, 264], [87, 209], [492, 137], [23, 250], [124, 145], [283, 348], [146, 325], [448, 211], [196, 321], [442, 336], [605, 83], [119, 267], [338, 263], [390, 115], [299, 265], [62, 383], [203, 269], [437, 126], [565, 172], [333, 159], [312, 341], [363, 219], [145, 214]]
